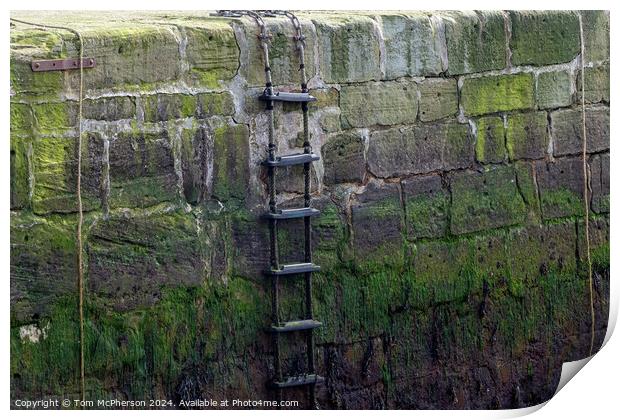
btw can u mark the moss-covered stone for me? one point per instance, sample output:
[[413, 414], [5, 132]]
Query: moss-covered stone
[[55, 118], [414, 45], [485, 200], [489, 94], [164, 107], [141, 168], [560, 184], [490, 140], [595, 34], [128, 56], [426, 204], [325, 98], [22, 119], [212, 104], [526, 135], [21, 151], [526, 182], [194, 161], [544, 37], [54, 174], [201, 324], [438, 99], [385, 103], [131, 258], [476, 41], [596, 82], [28, 43], [43, 263], [599, 183], [377, 222], [231, 162], [348, 49], [554, 89], [212, 53], [343, 158], [110, 109]]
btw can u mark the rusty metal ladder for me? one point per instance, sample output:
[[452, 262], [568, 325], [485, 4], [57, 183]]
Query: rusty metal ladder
[[278, 271]]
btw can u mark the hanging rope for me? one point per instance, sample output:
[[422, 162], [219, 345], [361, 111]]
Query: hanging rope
[[585, 183], [79, 244]]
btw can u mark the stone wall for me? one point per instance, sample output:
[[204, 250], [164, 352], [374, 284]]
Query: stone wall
[[450, 183]]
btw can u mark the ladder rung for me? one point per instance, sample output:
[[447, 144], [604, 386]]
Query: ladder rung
[[288, 269], [301, 380], [292, 213], [291, 326], [287, 97], [289, 160]]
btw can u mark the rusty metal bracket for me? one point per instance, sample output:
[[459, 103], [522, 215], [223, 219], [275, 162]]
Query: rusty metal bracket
[[62, 64]]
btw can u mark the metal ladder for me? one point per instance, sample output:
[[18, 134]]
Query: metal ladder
[[277, 270]]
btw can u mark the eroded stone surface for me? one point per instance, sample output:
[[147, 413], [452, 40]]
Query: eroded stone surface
[[485, 95], [485, 200], [567, 130], [544, 37], [383, 103]]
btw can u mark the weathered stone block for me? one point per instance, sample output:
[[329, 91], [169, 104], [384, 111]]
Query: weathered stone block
[[164, 107], [22, 119], [438, 99], [485, 200], [377, 222], [54, 166], [385, 103], [110, 108], [490, 140], [21, 149], [544, 37], [43, 263], [560, 184], [329, 121], [554, 89], [420, 149], [55, 118], [596, 34], [325, 98], [414, 45], [28, 43], [476, 41], [250, 240], [141, 170], [596, 82], [526, 135], [485, 95], [194, 157], [133, 258], [291, 179], [343, 158], [348, 49], [526, 182], [231, 162], [426, 207], [129, 56], [599, 180], [567, 133], [212, 53], [283, 54], [535, 250]]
